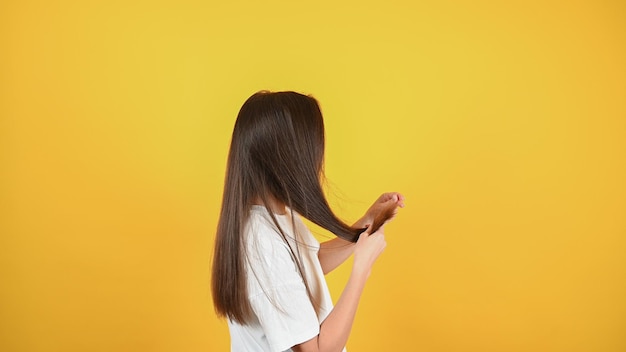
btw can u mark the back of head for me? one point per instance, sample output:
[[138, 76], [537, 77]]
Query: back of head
[[279, 137]]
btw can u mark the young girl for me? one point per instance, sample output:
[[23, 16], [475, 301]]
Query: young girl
[[268, 270]]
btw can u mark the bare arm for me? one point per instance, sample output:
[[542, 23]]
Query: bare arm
[[334, 252], [335, 329]]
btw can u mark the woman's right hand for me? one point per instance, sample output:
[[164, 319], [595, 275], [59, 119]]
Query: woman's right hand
[[367, 250]]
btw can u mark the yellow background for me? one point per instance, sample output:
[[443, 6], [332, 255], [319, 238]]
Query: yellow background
[[503, 123]]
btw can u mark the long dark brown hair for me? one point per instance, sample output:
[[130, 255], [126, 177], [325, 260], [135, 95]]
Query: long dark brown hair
[[276, 151]]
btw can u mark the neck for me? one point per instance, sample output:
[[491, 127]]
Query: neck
[[275, 206]]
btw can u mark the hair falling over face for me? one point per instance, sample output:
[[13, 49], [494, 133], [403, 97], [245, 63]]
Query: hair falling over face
[[276, 152]]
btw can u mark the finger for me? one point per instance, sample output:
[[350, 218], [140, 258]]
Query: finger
[[400, 200], [390, 196], [363, 235], [380, 230]]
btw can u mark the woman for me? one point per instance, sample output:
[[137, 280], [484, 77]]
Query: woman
[[268, 270]]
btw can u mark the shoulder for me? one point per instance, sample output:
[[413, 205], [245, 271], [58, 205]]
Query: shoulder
[[288, 232], [264, 243], [270, 261], [260, 228]]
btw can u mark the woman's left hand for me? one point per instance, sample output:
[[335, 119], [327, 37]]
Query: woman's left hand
[[383, 202]]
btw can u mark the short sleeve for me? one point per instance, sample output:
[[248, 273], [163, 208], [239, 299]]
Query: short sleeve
[[277, 293]]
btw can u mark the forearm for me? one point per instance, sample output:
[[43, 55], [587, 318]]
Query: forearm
[[334, 252], [335, 329]]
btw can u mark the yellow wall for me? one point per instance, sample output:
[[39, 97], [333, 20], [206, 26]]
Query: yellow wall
[[503, 123]]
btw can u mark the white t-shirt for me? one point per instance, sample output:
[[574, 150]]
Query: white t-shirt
[[283, 314]]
